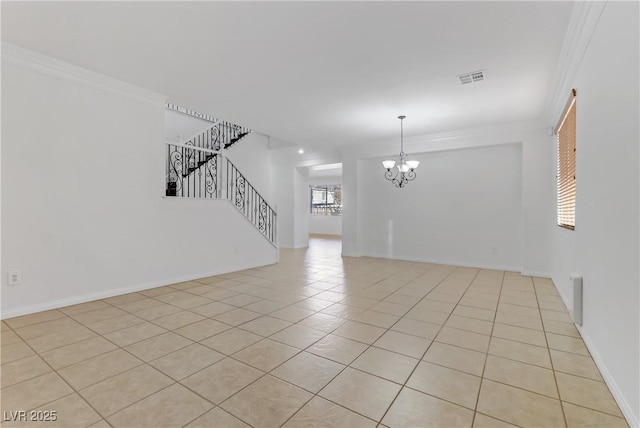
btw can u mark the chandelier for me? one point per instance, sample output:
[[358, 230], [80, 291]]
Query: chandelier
[[405, 168]]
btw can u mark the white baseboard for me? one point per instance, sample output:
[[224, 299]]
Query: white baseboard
[[349, 254], [626, 409], [538, 274], [61, 303], [443, 262]]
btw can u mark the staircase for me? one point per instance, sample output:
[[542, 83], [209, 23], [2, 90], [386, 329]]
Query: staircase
[[196, 168], [222, 134]]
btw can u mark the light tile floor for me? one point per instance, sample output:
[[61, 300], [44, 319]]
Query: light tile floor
[[316, 340]]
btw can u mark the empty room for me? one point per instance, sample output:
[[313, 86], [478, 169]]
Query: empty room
[[320, 214]]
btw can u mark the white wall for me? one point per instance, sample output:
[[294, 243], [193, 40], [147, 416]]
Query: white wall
[[252, 157], [464, 208], [325, 224], [291, 190], [282, 179], [301, 207], [351, 227], [83, 213], [604, 246], [176, 123], [536, 175], [538, 203]]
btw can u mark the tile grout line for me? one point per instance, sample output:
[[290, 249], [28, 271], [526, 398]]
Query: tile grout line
[[74, 391], [388, 289], [555, 378], [484, 366], [241, 362], [434, 338], [353, 368], [115, 375], [269, 373]]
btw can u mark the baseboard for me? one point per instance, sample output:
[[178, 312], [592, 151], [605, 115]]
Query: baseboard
[[625, 408], [444, 262], [538, 274], [349, 254], [61, 303]]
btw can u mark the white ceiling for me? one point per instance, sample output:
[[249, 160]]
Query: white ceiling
[[320, 74]]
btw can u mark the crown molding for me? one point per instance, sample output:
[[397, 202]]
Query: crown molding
[[12, 54], [582, 25], [507, 133]]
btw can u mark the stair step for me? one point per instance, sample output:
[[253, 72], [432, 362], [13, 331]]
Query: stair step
[[200, 163], [234, 140]]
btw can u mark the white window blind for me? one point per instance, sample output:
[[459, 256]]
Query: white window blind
[[566, 174]]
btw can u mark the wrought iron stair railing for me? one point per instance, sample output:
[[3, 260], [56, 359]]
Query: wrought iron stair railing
[[196, 172], [222, 134], [192, 172], [231, 133], [250, 203], [208, 139]]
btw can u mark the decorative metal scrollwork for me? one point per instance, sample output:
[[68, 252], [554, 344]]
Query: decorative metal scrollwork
[[254, 207], [175, 169], [189, 162], [212, 177], [214, 135], [401, 178], [240, 192], [208, 139], [191, 172], [262, 215]]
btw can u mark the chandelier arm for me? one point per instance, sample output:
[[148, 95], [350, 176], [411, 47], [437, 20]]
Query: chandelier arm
[[389, 175]]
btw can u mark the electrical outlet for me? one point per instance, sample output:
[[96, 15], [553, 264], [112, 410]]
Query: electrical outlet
[[14, 277]]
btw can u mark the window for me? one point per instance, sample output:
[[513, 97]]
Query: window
[[566, 175], [326, 200]]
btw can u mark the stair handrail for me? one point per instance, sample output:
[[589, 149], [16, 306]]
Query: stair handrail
[[268, 229], [209, 126], [209, 138], [220, 135], [187, 146], [193, 149], [192, 170], [245, 178]]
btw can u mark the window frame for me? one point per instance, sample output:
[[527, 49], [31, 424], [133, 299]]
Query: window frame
[[566, 142], [327, 188]]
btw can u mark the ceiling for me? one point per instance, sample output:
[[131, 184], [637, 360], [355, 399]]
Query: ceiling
[[320, 74]]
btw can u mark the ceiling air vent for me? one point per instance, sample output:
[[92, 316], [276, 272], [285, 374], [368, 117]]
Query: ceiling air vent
[[475, 76]]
